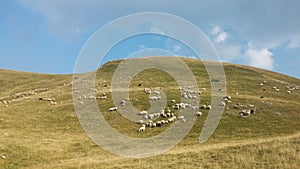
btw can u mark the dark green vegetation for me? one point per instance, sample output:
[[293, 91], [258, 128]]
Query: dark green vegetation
[[36, 134]]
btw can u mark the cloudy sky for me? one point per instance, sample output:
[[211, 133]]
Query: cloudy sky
[[47, 36]]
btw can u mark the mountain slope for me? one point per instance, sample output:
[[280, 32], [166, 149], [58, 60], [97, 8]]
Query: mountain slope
[[37, 134]]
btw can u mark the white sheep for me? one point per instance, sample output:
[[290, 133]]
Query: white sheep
[[208, 107], [222, 104], [142, 129], [147, 90], [122, 103], [113, 109], [102, 97], [172, 101], [143, 112], [156, 92], [140, 122], [181, 118], [198, 113]]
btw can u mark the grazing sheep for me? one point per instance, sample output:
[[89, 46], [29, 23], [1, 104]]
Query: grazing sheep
[[153, 125], [172, 101], [150, 116], [122, 103], [143, 112], [156, 92], [198, 113], [154, 98], [147, 91], [113, 109], [222, 104], [142, 129], [245, 113], [102, 97], [140, 122], [92, 97], [203, 106], [288, 92], [159, 124], [180, 118], [208, 107]]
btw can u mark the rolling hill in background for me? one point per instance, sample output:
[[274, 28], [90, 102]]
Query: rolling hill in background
[[39, 127]]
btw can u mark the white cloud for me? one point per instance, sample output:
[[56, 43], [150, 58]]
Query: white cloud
[[261, 58], [219, 34]]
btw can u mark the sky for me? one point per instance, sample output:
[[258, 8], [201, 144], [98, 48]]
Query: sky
[[47, 36]]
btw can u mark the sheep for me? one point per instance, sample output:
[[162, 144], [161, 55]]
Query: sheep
[[156, 92], [154, 98], [195, 107], [150, 116], [194, 97], [147, 91], [102, 97], [261, 84], [52, 102], [142, 129], [153, 125], [113, 109], [172, 101], [92, 97], [198, 113], [203, 106], [143, 112], [140, 122], [222, 104], [180, 118], [245, 113], [159, 124], [288, 92], [122, 103], [208, 107], [171, 119]]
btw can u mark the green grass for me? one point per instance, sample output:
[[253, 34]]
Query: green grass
[[35, 134]]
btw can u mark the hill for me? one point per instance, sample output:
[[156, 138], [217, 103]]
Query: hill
[[39, 127]]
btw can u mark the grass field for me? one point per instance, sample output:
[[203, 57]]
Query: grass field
[[36, 134]]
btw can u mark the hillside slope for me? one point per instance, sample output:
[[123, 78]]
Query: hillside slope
[[35, 133]]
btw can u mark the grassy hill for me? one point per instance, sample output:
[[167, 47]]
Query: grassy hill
[[36, 134]]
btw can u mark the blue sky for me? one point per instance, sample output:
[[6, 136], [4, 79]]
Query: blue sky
[[47, 36]]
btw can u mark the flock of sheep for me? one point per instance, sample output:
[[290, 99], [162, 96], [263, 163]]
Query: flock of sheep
[[166, 116]]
